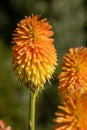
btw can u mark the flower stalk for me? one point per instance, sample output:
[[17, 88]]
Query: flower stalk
[[32, 110]]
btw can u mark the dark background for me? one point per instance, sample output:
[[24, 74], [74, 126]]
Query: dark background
[[69, 22]]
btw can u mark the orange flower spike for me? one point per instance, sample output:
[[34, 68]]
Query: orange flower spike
[[34, 55], [73, 114], [74, 68]]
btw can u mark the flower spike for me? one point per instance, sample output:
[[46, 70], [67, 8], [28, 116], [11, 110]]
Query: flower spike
[[72, 115], [74, 70], [34, 55]]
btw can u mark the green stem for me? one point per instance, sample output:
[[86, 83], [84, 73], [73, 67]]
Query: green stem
[[32, 110]]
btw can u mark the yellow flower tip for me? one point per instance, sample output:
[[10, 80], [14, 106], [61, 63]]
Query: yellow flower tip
[[72, 115], [74, 69], [34, 55]]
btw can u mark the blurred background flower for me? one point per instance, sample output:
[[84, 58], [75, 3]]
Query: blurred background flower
[[69, 22], [4, 126], [74, 70], [72, 114]]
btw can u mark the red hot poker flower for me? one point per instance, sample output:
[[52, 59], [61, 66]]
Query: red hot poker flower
[[72, 115], [74, 69], [34, 55]]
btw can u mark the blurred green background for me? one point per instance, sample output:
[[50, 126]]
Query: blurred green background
[[69, 21]]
